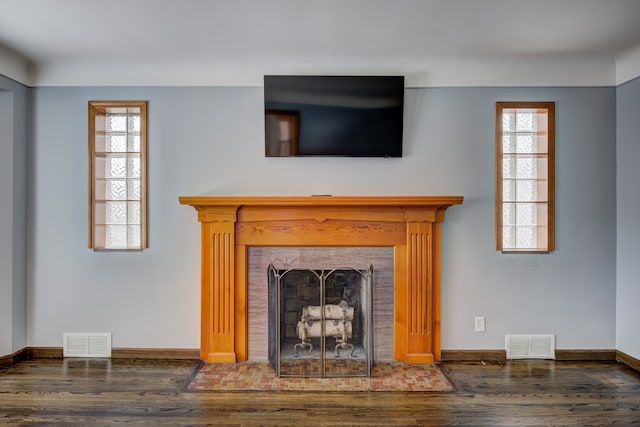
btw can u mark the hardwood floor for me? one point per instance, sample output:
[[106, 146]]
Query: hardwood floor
[[153, 392]]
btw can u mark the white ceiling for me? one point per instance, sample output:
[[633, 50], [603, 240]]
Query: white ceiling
[[235, 42]]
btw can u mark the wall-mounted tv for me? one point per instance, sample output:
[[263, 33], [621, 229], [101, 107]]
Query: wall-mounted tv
[[358, 116]]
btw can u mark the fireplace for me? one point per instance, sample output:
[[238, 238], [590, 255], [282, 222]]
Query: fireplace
[[320, 322], [232, 226]]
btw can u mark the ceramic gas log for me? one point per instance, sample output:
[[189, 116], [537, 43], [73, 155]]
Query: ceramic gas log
[[337, 323]]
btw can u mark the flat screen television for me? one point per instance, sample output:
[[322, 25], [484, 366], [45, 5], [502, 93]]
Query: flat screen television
[[358, 116]]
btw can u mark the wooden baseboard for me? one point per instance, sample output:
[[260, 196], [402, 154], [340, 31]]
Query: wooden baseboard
[[16, 357], [630, 361], [501, 355], [473, 355], [122, 353], [155, 353], [44, 352], [586, 355]]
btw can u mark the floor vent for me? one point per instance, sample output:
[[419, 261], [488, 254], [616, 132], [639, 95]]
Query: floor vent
[[86, 345], [531, 347]]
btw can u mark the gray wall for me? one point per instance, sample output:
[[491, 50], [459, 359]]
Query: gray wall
[[13, 216], [209, 140], [628, 207]]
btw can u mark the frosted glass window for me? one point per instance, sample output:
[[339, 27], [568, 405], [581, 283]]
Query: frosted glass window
[[525, 168], [117, 145], [133, 144], [116, 189], [116, 122], [525, 176], [116, 236], [116, 167], [133, 189], [116, 213], [117, 142]]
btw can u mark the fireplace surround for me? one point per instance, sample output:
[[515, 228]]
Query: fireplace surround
[[230, 225]]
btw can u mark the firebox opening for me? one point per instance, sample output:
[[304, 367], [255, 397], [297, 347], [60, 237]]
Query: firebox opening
[[320, 322], [321, 258]]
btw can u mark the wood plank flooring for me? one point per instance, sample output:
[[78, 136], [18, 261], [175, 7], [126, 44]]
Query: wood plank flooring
[[148, 392]]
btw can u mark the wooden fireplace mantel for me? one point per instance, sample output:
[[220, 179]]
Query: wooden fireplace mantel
[[232, 224]]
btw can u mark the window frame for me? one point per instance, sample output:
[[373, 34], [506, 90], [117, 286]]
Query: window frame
[[550, 203], [97, 109]]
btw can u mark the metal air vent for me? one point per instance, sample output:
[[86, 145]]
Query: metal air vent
[[86, 345], [530, 346]]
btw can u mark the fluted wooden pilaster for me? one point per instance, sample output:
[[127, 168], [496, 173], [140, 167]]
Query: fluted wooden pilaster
[[420, 293], [218, 283]]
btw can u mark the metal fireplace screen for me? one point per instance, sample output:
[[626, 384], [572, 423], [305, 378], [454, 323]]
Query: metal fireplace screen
[[320, 322]]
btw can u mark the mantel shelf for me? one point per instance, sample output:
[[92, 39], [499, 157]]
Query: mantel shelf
[[364, 201]]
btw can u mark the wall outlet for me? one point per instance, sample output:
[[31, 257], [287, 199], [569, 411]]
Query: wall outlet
[[480, 324]]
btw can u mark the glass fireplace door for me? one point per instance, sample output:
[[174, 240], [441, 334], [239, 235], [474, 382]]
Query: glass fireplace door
[[320, 322]]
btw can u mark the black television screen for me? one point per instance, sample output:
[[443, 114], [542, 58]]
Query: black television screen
[[358, 116]]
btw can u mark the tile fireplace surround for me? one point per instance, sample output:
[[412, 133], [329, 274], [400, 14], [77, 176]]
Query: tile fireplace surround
[[230, 225]]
